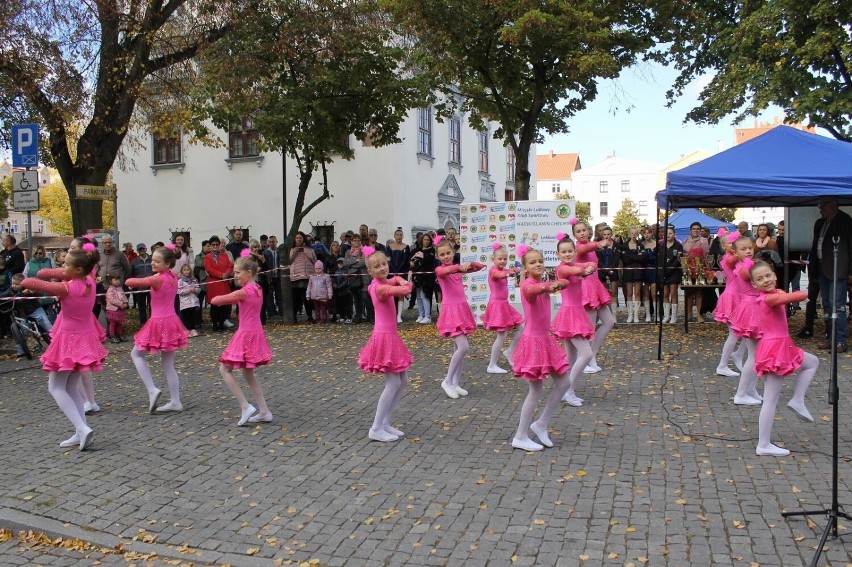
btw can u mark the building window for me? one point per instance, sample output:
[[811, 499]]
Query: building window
[[604, 185], [625, 186], [167, 148], [604, 209], [483, 151], [40, 225], [455, 141], [509, 195], [510, 165], [555, 188], [424, 131], [643, 203], [243, 139]]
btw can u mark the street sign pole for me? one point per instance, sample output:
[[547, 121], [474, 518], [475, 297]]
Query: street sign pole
[[30, 232]]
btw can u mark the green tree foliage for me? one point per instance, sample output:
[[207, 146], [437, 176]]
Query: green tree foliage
[[726, 214], [320, 71], [5, 195], [529, 66], [55, 208], [582, 209], [626, 217], [80, 68], [789, 53]]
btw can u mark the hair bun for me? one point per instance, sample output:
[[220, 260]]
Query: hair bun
[[89, 247], [437, 240], [171, 246], [560, 236], [367, 250], [722, 231], [496, 246], [573, 220], [245, 253], [522, 250]]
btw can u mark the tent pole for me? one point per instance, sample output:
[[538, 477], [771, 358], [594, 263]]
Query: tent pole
[[661, 261]]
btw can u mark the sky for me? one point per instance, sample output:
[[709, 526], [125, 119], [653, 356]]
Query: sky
[[629, 119]]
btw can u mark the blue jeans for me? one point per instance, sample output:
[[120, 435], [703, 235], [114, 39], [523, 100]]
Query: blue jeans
[[40, 317], [834, 303], [424, 304]]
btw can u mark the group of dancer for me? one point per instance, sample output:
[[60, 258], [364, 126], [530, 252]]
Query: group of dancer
[[76, 349], [755, 311], [562, 348]]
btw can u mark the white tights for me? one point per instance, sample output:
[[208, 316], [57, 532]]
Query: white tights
[[579, 351], [454, 370], [554, 400], [728, 349], [237, 391], [500, 340], [748, 377], [65, 388], [772, 385], [607, 323], [389, 399], [168, 359], [519, 331]]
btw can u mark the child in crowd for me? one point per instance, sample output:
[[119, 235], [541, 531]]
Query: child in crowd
[[116, 308], [499, 316], [342, 297], [572, 326], [76, 346], [248, 348], [777, 356], [745, 322], [538, 355], [163, 332], [729, 299], [28, 307], [455, 319], [596, 298], [188, 290], [319, 292], [385, 352], [59, 259]]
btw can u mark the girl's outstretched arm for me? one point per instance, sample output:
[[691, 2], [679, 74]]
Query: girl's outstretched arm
[[58, 289], [151, 281], [230, 299]]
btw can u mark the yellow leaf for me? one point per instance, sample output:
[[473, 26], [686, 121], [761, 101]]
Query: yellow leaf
[[581, 473], [369, 521], [630, 530], [538, 522], [680, 501], [613, 522], [584, 557], [738, 524], [612, 555], [252, 551], [796, 490], [514, 558]]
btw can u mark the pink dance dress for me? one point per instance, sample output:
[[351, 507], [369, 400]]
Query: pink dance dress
[[730, 297], [456, 318], [571, 320], [59, 274], [385, 353], [745, 319], [776, 352], [537, 354], [248, 347], [595, 294], [163, 332], [77, 346], [499, 315]]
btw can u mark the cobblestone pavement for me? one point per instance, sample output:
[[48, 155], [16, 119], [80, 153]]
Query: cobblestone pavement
[[657, 468]]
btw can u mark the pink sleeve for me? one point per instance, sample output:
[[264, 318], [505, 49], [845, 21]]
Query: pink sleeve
[[58, 289], [51, 274], [780, 298], [447, 270], [730, 260], [587, 247], [530, 291], [393, 290], [230, 299], [565, 270], [476, 266], [151, 281]]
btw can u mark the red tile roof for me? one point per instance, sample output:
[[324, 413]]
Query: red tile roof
[[556, 166]]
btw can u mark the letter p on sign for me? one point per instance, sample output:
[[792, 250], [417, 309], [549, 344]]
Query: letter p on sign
[[25, 145]]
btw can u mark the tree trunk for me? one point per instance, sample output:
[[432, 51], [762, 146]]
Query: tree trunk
[[86, 214], [522, 170]]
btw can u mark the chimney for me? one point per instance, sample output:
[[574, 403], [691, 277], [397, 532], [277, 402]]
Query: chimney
[[552, 155]]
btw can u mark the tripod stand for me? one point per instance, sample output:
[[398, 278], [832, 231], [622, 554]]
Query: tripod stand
[[833, 398]]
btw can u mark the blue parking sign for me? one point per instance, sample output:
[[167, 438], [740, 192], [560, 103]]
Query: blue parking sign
[[25, 145]]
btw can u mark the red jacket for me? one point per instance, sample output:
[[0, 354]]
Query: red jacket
[[215, 272]]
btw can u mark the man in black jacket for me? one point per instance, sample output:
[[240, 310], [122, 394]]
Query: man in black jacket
[[832, 223], [13, 258]]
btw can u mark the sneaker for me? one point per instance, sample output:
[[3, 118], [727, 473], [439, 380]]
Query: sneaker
[[246, 415], [348, 321], [426, 321], [228, 324], [449, 390]]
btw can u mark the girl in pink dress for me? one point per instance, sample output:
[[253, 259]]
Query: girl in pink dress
[[456, 319], [87, 381], [729, 299], [745, 323], [596, 298], [538, 355], [777, 356], [499, 316], [163, 333], [385, 352], [76, 347], [571, 326], [248, 348]]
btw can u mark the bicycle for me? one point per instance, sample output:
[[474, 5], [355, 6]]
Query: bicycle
[[26, 332]]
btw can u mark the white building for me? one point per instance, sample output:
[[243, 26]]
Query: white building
[[417, 184], [607, 184], [555, 172]]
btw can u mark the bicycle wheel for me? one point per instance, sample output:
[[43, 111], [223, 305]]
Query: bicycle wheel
[[20, 336]]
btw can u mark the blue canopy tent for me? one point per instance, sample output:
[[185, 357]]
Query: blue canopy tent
[[685, 217], [784, 167]]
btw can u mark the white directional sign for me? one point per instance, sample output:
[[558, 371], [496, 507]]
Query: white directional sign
[[96, 192], [23, 201], [25, 180]]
